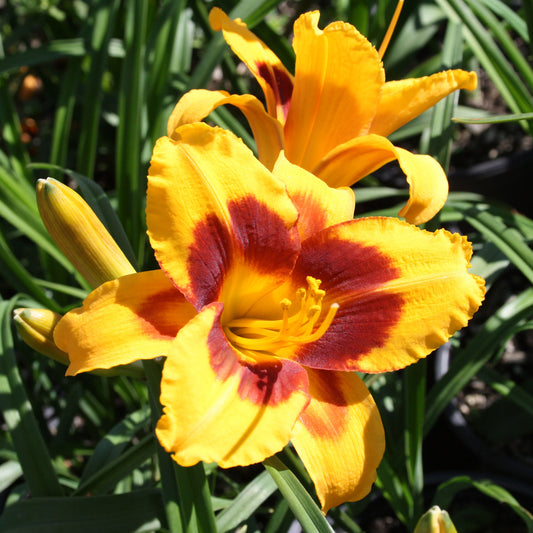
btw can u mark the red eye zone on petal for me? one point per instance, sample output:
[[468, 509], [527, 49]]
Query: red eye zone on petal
[[257, 235], [268, 381], [158, 313], [353, 275], [279, 82], [331, 419]]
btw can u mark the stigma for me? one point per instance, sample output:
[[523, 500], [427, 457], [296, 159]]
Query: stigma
[[302, 327]]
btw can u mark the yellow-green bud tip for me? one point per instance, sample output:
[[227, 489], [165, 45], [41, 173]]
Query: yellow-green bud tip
[[36, 329], [435, 520]]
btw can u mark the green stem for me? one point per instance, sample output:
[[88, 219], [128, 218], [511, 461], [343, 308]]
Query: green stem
[[186, 493], [168, 479], [197, 509], [415, 401], [301, 503]]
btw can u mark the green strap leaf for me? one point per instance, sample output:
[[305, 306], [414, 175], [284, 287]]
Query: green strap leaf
[[495, 119], [18, 415], [115, 442], [109, 475], [508, 240], [476, 353], [246, 503], [447, 491], [302, 505], [139, 511]]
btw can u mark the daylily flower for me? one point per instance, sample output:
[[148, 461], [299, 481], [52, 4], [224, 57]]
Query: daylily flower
[[269, 297], [333, 116]]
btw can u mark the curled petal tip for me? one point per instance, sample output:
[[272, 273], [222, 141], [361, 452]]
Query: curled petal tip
[[471, 83], [216, 15]]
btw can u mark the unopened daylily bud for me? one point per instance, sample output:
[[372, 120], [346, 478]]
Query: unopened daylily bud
[[36, 328], [80, 234], [435, 520]]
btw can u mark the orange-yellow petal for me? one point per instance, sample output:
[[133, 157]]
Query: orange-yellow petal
[[403, 100], [337, 87], [319, 206], [131, 318], [198, 103], [351, 161], [339, 437], [206, 219], [402, 292], [275, 80], [222, 407]]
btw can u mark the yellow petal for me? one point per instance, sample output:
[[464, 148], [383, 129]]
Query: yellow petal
[[36, 327], [348, 163], [403, 100], [274, 78], [339, 437], [428, 186], [402, 292], [79, 233], [197, 104], [131, 318], [219, 407], [213, 208], [337, 87], [319, 206]]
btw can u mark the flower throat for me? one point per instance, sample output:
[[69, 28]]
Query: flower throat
[[301, 327]]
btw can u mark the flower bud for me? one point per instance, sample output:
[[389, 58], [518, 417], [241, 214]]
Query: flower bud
[[80, 234], [36, 328], [435, 521]]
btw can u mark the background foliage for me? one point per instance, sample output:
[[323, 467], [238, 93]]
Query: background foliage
[[85, 90]]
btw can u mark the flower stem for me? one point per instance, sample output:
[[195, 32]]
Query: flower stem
[[168, 479], [186, 493]]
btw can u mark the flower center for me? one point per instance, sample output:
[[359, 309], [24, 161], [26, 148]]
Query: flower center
[[301, 327]]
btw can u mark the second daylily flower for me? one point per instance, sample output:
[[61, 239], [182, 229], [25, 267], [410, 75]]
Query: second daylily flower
[[332, 117], [269, 296]]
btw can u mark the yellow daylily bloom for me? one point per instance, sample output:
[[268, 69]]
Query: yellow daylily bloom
[[80, 234], [269, 297], [332, 117]]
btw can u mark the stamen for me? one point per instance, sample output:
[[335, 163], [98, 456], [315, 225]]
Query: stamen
[[250, 334], [312, 317], [390, 29], [326, 323]]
